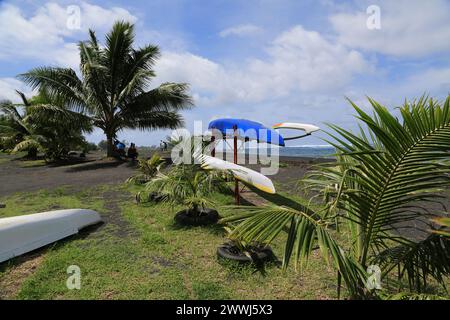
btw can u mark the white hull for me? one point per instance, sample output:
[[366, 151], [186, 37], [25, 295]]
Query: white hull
[[307, 128], [22, 234], [244, 174]]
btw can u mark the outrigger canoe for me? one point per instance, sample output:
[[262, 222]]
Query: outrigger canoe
[[246, 130], [22, 234]]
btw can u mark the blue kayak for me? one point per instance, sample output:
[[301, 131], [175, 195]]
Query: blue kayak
[[247, 130]]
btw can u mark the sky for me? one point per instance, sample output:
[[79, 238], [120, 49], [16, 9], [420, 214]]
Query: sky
[[266, 60]]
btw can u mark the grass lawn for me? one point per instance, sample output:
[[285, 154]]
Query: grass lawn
[[140, 254]]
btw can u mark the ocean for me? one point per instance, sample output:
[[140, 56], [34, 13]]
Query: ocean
[[308, 151], [318, 151]]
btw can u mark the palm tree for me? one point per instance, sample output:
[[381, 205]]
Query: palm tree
[[15, 127], [38, 124], [112, 90], [382, 178]]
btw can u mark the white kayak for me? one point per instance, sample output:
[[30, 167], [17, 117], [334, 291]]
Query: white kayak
[[22, 234], [308, 128], [241, 173]]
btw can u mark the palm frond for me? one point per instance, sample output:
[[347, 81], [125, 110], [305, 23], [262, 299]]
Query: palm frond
[[167, 98], [25, 145], [413, 296], [387, 181], [147, 169], [305, 231], [418, 260], [138, 72], [444, 222], [58, 83], [187, 184], [52, 115]]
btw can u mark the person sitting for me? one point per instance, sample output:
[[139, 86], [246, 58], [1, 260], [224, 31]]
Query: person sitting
[[132, 152], [119, 148]]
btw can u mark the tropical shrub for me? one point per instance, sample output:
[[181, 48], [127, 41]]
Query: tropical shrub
[[188, 185], [7, 140], [39, 124], [147, 168], [382, 178]]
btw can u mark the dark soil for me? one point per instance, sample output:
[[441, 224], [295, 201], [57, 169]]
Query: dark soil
[[79, 174], [123, 229], [93, 170]]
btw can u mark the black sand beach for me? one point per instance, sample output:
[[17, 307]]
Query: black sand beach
[[15, 177]]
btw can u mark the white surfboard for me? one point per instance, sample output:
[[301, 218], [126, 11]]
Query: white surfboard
[[307, 128], [241, 173], [22, 234]]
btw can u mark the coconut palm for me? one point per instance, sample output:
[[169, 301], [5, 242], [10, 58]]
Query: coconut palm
[[13, 128], [383, 176], [112, 90], [39, 124]]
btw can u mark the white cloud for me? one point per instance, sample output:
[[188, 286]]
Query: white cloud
[[432, 81], [304, 60], [44, 35], [410, 28], [241, 31], [8, 87], [298, 61]]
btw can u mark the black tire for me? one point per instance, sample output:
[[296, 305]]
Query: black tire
[[155, 197], [152, 197], [202, 218], [229, 251]]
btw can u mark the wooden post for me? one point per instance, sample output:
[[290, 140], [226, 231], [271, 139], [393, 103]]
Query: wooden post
[[236, 182]]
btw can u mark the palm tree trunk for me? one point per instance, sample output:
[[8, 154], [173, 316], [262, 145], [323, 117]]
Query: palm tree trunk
[[109, 145]]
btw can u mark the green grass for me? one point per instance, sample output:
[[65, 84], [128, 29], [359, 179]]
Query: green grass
[[146, 256], [139, 253]]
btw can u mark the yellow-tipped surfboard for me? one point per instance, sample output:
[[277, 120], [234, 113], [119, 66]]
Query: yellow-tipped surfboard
[[241, 173]]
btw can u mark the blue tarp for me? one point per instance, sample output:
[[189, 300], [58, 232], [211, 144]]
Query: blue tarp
[[247, 129]]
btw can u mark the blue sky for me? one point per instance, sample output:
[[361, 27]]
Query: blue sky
[[266, 60]]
